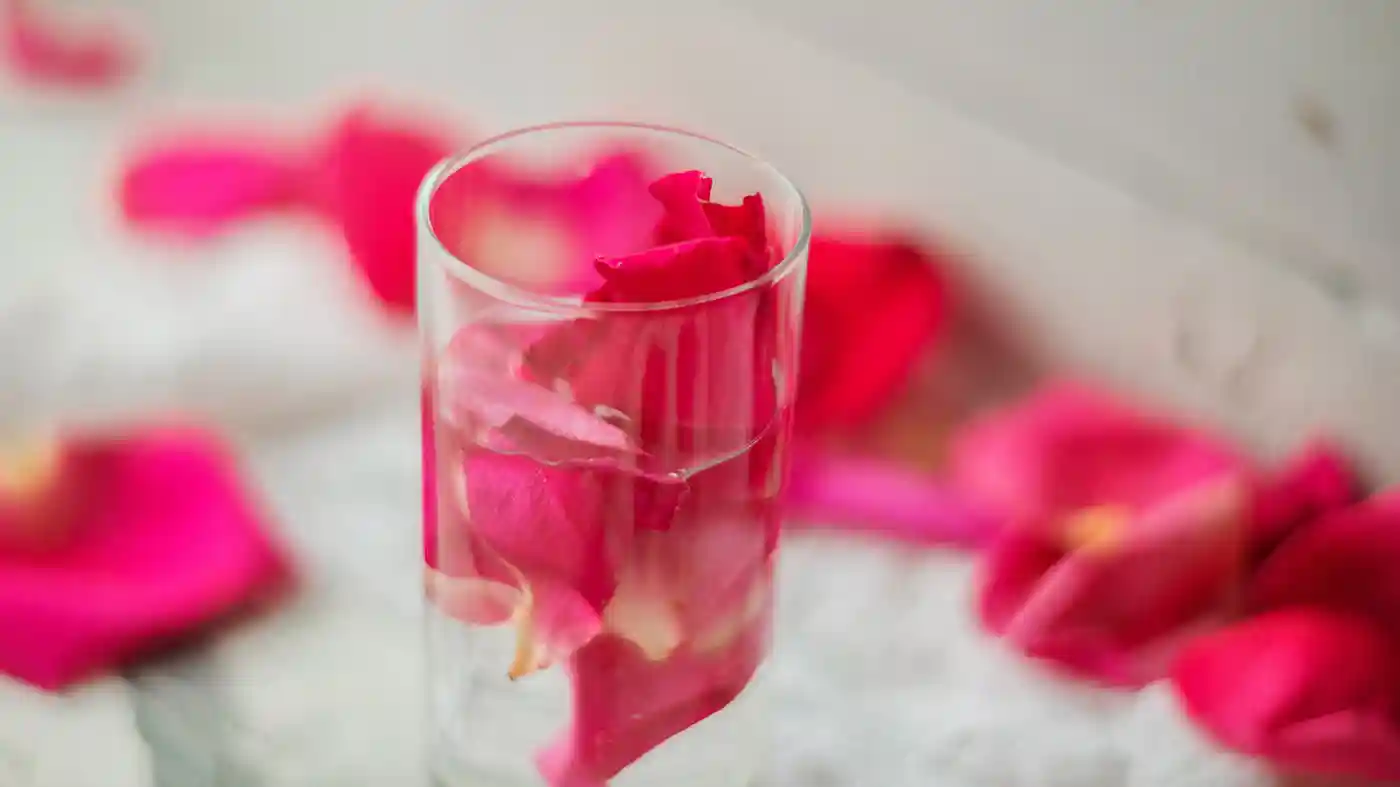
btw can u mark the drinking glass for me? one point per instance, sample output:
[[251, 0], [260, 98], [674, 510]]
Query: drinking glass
[[610, 317]]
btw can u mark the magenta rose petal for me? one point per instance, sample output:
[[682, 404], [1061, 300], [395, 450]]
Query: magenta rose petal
[[1306, 689], [165, 541], [625, 704], [200, 184], [1109, 595], [682, 196], [372, 167], [747, 221], [685, 269], [546, 522], [43, 49]]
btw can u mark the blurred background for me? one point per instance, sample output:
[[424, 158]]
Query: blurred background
[[1193, 202]]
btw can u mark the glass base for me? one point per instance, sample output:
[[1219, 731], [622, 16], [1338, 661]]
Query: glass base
[[485, 730]]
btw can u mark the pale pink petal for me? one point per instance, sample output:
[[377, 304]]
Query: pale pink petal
[[168, 542], [543, 233], [480, 390], [472, 600], [644, 609], [556, 622], [884, 499]]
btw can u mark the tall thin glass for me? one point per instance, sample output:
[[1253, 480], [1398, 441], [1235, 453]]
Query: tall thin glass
[[610, 319]]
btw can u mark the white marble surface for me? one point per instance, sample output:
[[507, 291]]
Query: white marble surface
[[882, 678]]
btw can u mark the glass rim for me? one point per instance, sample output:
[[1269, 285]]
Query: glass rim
[[516, 295]]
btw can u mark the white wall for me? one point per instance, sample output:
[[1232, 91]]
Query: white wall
[[1275, 122], [1132, 177]]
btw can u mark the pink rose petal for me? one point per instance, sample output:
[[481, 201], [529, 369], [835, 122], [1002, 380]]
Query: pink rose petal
[[682, 196], [873, 309], [39, 497], [481, 391], [202, 184], [625, 704], [372, 168], [1115, 608], [47, 50], [546, 522], [1318, 479], [1068, 447], [747, 221], [882, 498], [1345, 561], [557, 622], [167, 542], [685, 269], [1303, 688], [542, 233], [1126, 533], [691, 383]]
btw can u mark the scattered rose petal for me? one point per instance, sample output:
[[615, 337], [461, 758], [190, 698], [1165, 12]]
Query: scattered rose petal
[[883, 498], [1307, 689], [36, 507], [1068, 447], [872, 309], [201, 184], [372, 168], [43, 49], [1125, 533], [1318, 479], [1346, 561], [1109, 594], [164, 541]]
